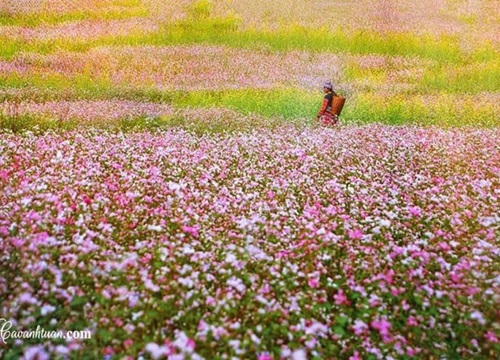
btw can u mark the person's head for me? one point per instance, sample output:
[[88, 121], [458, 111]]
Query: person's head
[[327, 87]]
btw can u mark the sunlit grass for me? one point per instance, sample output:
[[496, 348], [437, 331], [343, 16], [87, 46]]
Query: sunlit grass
[[225, 31], [443, 110], [467, 79]]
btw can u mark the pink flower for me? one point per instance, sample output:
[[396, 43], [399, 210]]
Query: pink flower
[[359, 327], [264, 356], [128, 343], [444, 246], [383, 326], [355, 234], [340, 298], [192, 230], [355, 356], [414, 211], [313, 283], [17, 242], [36, 352], [491, 337], [411, 321]]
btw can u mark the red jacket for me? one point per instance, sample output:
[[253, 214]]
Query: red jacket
[[326, 107]]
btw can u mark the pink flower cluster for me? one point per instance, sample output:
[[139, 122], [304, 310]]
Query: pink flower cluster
[[184, 67], [87, 110], [286, 243], [84, 30]]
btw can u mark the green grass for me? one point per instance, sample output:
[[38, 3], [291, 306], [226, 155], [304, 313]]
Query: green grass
[[285, 103], [224, 31], [467, 79], [445, 111]]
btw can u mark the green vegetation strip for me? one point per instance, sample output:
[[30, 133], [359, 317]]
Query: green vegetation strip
[[290, 105], [225, 31]]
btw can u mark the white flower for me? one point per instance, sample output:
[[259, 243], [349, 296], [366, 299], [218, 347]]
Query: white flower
[[478, 316], [174, 186], [156, 228], [183, 343], [156, 351], [36, 352], [300, 354], [136, 315], [230, 258], [187, 250], [47, 309], [148, 284], [385, 223], [487, 221], [237, 284]]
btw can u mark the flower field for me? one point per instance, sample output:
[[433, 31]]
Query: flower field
[[368, 240], [164, 186]]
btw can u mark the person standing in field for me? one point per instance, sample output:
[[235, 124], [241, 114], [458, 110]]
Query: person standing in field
[[325, 115]]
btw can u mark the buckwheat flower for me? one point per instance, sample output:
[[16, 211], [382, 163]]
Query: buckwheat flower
[[133, 300], [383, 326], [487, 221], [299, 354], [36, 352], [187, 282], [414, 211], [340, 298], [235, 344], [47, 309], [156, 228], [255, 338], [311, 343], [156, 351], [129, 328], [137, 315], [313, 283], [63, 350], [478, 316], [285, 352], [184, 343], [355, 356], [210, 301], [27, 298], [237, 284], [356, 234], [188, 250], [230, 258], [264, 356], [385, 223], [491, 337], [359, 327]]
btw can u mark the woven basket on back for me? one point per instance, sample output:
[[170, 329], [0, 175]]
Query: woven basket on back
[[337, 105]]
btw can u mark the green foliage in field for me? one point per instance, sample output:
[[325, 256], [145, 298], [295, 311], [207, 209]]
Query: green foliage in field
[[285, 103]]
